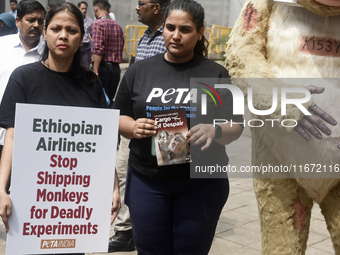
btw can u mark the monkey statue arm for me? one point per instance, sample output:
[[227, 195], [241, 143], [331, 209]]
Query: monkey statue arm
[[246, 57], [246, 53]]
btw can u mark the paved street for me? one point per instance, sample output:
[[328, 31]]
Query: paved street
[[238, 230]]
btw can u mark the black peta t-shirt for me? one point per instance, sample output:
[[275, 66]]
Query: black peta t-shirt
[[155, 84], [36, 84]]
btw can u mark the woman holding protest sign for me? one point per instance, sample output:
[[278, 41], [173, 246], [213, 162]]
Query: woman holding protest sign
[[59, 79], [171, 213]]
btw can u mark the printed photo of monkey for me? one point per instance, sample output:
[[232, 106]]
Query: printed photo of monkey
[[174, 149]]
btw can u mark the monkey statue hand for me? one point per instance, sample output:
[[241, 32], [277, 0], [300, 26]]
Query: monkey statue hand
[[313, 123]]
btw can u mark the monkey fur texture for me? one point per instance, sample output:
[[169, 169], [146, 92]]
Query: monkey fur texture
[[272, 40]]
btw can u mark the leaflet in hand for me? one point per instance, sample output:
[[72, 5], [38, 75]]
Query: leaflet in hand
[[170, 140]]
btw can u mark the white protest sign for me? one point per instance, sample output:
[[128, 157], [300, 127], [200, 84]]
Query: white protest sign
[[62, 179]]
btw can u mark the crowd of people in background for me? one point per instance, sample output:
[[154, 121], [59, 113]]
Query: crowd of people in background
[[151, 43], [7, 20], [14, 6], [62, 46]]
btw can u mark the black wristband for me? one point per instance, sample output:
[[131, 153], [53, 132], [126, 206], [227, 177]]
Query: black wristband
[[218, 132]]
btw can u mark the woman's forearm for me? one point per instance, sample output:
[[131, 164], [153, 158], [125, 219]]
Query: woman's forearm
[[6, 159], [230, 133]]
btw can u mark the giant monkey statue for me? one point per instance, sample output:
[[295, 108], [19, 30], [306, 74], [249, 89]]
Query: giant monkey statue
[[271, 40]]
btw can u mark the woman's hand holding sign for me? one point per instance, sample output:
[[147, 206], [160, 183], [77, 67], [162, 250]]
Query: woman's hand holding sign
[[115, 200], [5, 208], [5, 170]]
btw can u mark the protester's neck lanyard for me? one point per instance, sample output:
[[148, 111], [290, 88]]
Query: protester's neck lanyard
[[105, 17]]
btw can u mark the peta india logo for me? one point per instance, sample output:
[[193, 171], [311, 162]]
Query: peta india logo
[[58, 243]]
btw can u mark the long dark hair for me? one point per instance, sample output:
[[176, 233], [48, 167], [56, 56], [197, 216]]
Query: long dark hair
[[79, 71], [196, 12]]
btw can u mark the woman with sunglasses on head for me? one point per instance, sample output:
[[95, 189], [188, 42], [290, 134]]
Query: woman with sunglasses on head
[[171, 213], [59, 79]]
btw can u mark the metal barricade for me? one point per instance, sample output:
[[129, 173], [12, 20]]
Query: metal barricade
[[132, 35], [218, 37], [208, 34]]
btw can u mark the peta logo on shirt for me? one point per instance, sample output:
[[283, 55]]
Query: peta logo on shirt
[[183, 95], [179, 95]]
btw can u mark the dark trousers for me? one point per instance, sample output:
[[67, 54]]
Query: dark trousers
[[174, 217], [109, 74], [85, 49]]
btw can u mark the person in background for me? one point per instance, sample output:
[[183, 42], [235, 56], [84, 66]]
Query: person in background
[[107, 50], [86, 44], [150, 13], [13, 5], [171, 213], [21, 48], [26, 46], [58, 79], [111, 14], [7, 24], [49, 6]]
